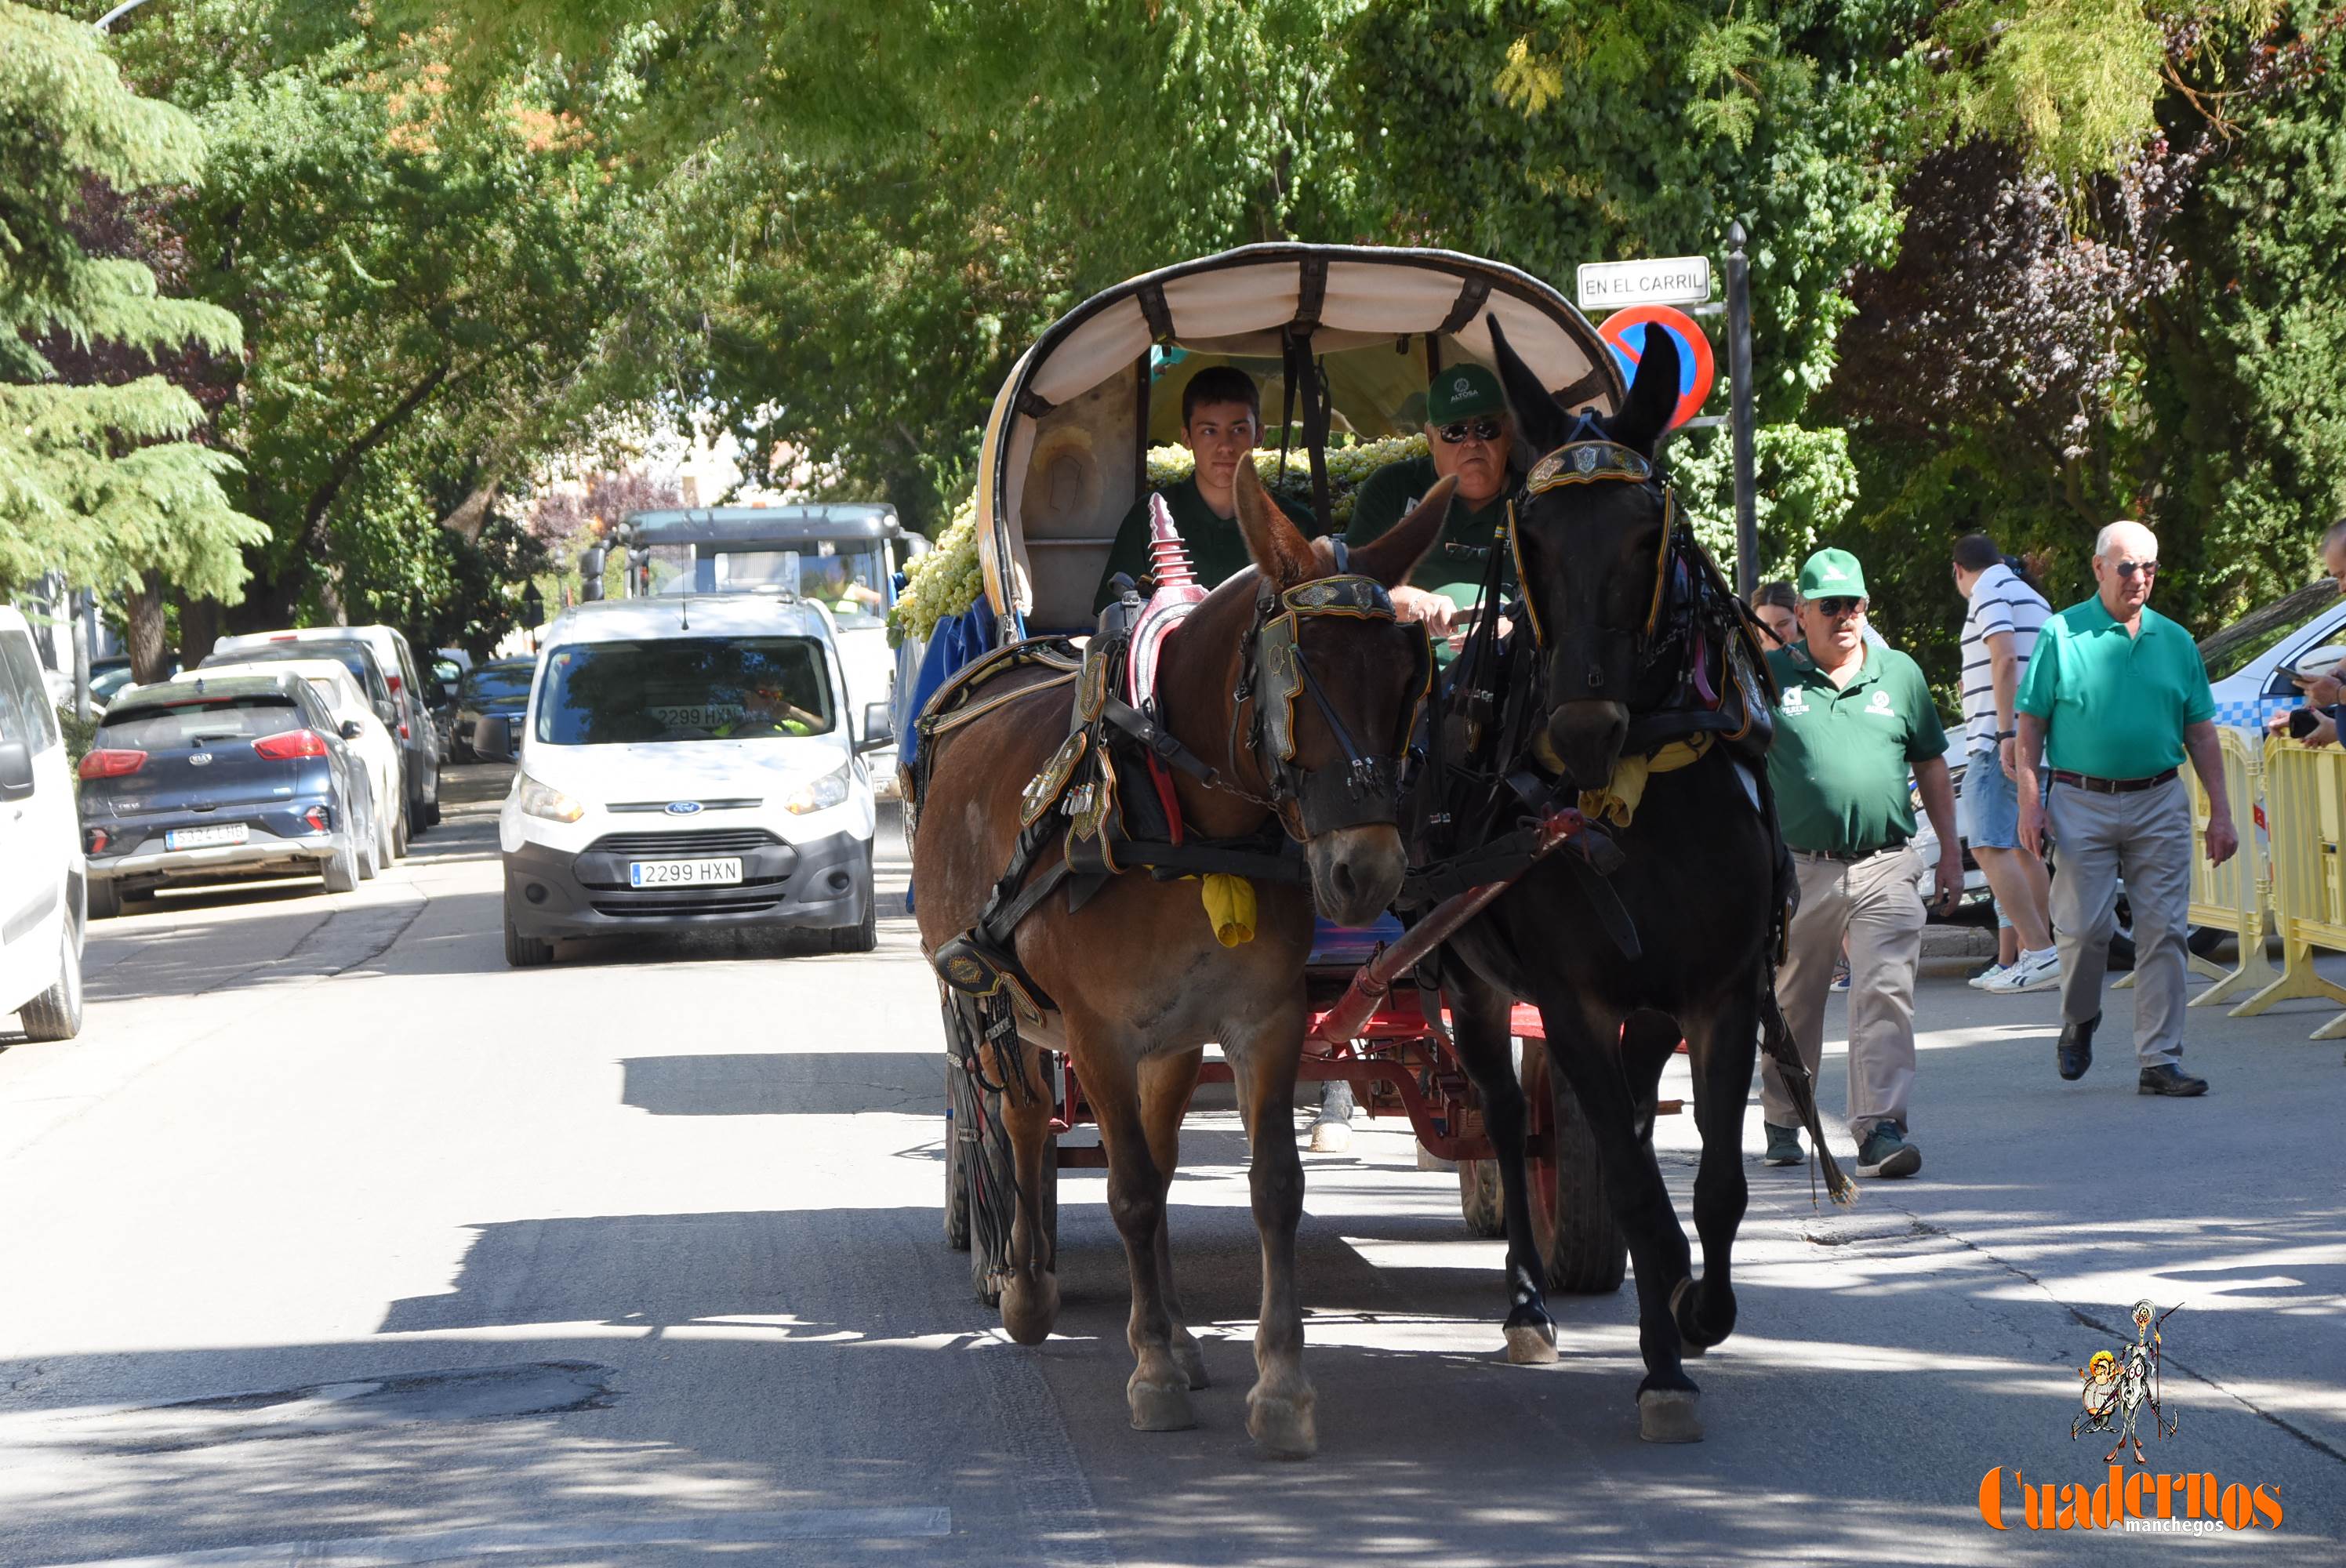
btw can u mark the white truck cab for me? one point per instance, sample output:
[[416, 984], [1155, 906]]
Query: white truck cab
[[687, 760]]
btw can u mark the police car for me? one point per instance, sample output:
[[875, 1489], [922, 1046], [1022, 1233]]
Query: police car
[[687, 761], [2252, 661]]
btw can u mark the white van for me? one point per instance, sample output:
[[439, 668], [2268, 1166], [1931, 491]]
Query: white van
[[42, 877], [687, 761]]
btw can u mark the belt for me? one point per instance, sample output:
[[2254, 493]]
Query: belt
[[1839, 858], [2109, 786]]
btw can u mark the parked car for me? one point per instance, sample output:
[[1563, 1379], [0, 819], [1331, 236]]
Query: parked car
[[440, 698], [499, 688], [41, 874], [2249, 662], [413, 721], [348, 706], [102, 687], [687, 762], [357, 657], [222, 778]]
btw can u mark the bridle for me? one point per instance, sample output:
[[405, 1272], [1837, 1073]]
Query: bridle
[[1273, 673], [1616, 660]]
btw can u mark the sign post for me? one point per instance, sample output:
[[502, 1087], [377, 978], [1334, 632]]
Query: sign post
[[1663, 280], [1739, 413]]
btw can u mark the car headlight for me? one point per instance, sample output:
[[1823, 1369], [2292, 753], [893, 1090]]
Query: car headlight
[[819, 794], [544, 800]]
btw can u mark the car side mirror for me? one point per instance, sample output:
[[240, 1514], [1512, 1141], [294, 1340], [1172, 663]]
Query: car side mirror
[[493, 738], [15, 770], [352, 729], [878, 729]]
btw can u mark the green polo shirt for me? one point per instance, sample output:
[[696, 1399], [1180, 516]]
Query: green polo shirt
[[1217, 549], [1842, 755], [1387, 495], [2114, 705]]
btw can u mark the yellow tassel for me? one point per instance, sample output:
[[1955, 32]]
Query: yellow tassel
[[1618, 802], [1229, 905]]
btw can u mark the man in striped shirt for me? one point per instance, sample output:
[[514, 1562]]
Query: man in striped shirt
[[1999, 634]]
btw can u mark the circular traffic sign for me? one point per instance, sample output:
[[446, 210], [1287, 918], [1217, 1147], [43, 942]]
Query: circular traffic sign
[[1624, 331]]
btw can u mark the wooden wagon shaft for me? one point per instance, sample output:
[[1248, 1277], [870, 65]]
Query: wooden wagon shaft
[[1376, 977]]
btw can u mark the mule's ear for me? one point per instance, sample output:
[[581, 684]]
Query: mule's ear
[[1280, 551], [1541, 422], [1653, 396], [1393, 555]]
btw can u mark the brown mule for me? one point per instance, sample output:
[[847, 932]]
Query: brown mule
[[1140, 980]]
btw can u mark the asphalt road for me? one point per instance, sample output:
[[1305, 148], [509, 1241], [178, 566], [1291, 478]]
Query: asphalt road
[[333, 1241]]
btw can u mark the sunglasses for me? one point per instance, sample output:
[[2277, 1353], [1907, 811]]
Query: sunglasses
[[1835, 610], [1484, 429], [2129, 568]]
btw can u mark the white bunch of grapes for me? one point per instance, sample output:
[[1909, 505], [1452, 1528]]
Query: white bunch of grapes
[[943, 583]]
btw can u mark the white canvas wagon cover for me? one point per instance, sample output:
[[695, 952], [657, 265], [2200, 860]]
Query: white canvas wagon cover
[[1065, 444]]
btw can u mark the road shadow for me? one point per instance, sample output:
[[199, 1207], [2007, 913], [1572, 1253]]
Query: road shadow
[[784, 1084]]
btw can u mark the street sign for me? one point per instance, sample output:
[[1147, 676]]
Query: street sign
[[1666, 281], [1625, 334]]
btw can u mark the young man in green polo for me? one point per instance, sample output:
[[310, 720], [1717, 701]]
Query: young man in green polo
[[1853, 721], [1221, 420], [2115, 697], [1468, 433]]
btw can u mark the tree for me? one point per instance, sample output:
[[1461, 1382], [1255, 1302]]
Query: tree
[[98, 478], [440, 290]]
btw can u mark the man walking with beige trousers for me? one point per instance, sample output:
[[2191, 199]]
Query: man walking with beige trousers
[[1852, 721]]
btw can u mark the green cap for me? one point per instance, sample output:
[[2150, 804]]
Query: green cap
[[1461, 391], [1832, 574]]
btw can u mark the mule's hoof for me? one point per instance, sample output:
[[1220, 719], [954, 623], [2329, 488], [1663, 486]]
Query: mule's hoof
[[1669, 1415], [1191, 1357], [1331, 1137], [1159, 1407], [1282, 1426], [1029, 1307], [1531, 1344], [1688, 1344]]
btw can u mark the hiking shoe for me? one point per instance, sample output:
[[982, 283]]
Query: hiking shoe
[[2075, 1051], [1982, 979], [1886, 1152], [1783, 1146], [2035, 971], [2167, 1078]]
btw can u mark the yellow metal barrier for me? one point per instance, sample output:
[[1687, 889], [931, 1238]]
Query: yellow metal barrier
[[2236, 896], [2305, 792]]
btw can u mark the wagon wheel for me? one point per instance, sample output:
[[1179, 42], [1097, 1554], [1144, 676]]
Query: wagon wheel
[[1571, 1220]]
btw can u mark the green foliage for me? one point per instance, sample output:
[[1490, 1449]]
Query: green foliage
[[96, 477]]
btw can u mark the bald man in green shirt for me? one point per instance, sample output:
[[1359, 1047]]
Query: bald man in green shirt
[[2115, 697]]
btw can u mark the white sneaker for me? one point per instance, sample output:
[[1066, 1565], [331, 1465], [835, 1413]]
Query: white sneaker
[[1994, 972], [2035, 971]]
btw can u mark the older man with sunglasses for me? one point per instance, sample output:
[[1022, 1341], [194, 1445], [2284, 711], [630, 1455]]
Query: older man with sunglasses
[[1853, 721], [1469, 434], [2115, 697]]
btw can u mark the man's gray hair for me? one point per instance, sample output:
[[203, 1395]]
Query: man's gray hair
[[2103, 540], [2335, 537]]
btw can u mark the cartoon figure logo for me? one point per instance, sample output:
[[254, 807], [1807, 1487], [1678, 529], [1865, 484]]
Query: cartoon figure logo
[[2118, 1384]]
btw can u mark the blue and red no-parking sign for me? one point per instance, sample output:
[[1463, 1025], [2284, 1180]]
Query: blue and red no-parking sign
[[1624, 331]]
